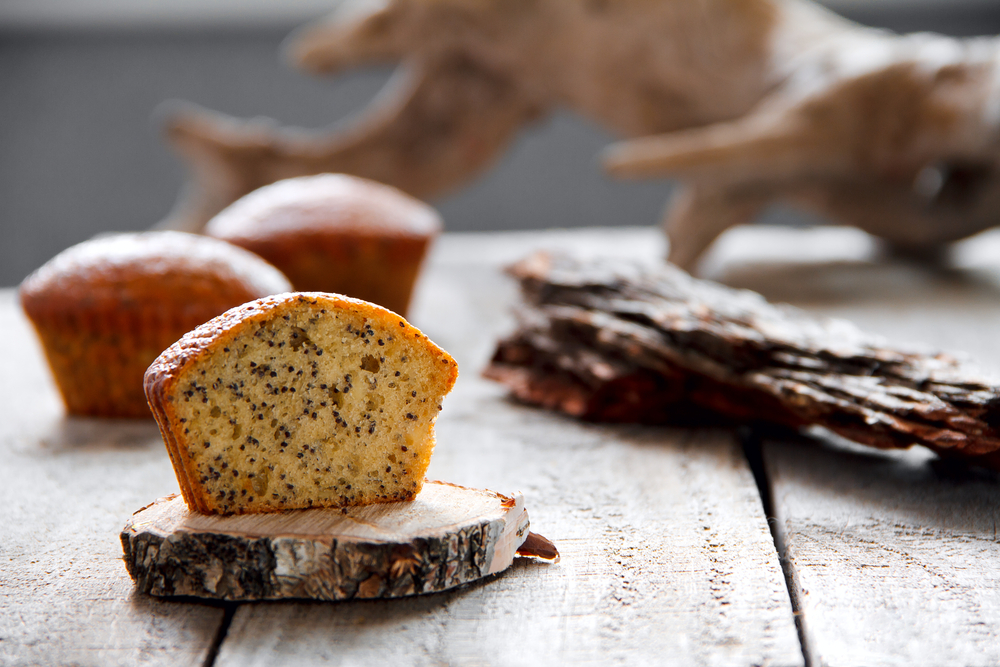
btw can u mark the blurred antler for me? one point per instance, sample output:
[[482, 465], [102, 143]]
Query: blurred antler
[[440, 120], [746, 101], [408, 139]]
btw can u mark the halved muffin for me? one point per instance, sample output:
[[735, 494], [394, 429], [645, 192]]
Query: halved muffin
[[300, 400]]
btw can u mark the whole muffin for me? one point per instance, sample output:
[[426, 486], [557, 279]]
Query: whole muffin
[[335, 233], [104, 309]]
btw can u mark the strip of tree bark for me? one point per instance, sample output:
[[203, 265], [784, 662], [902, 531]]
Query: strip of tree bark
[[619, 342]]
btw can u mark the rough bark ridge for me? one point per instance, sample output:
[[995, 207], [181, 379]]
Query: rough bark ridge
[[171, 551], [620, 342]]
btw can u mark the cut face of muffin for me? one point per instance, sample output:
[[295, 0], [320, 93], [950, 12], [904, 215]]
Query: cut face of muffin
[[300, 400]]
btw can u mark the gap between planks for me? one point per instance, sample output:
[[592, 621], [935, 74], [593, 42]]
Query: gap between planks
[[220, 635], [751, 440]]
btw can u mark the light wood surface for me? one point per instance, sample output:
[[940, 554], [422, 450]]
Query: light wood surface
[[897, 560], [666, 553], [895, 556]]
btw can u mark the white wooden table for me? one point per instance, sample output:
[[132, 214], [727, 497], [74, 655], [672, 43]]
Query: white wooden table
[[667, 554]]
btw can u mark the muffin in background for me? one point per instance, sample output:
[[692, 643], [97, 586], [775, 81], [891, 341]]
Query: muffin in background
[[335, 233], [106, 308]]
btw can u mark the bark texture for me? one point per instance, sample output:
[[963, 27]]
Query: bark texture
[[621, 342], [170, 551]]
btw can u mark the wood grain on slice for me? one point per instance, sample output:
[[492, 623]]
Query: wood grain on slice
[[447, 536], [66, 485]]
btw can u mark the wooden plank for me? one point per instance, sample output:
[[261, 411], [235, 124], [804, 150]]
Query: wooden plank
[[666, 555], [897, 561], [896, 556], [67, 486]]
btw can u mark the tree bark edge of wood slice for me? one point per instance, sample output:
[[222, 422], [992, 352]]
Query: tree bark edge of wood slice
[[445, 537]]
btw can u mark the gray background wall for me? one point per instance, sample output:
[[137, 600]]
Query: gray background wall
[[80, 149]]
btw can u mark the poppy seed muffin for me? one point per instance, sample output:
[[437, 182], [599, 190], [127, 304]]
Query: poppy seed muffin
[[299, 400], [335, 233], [105, 308]]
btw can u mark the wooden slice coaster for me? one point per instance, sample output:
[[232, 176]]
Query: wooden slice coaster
[[447, 536]]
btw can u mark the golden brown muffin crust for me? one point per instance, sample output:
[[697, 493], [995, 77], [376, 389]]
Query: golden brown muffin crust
[[335, 233], [313, 206], [190, 273], [104, 309]]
